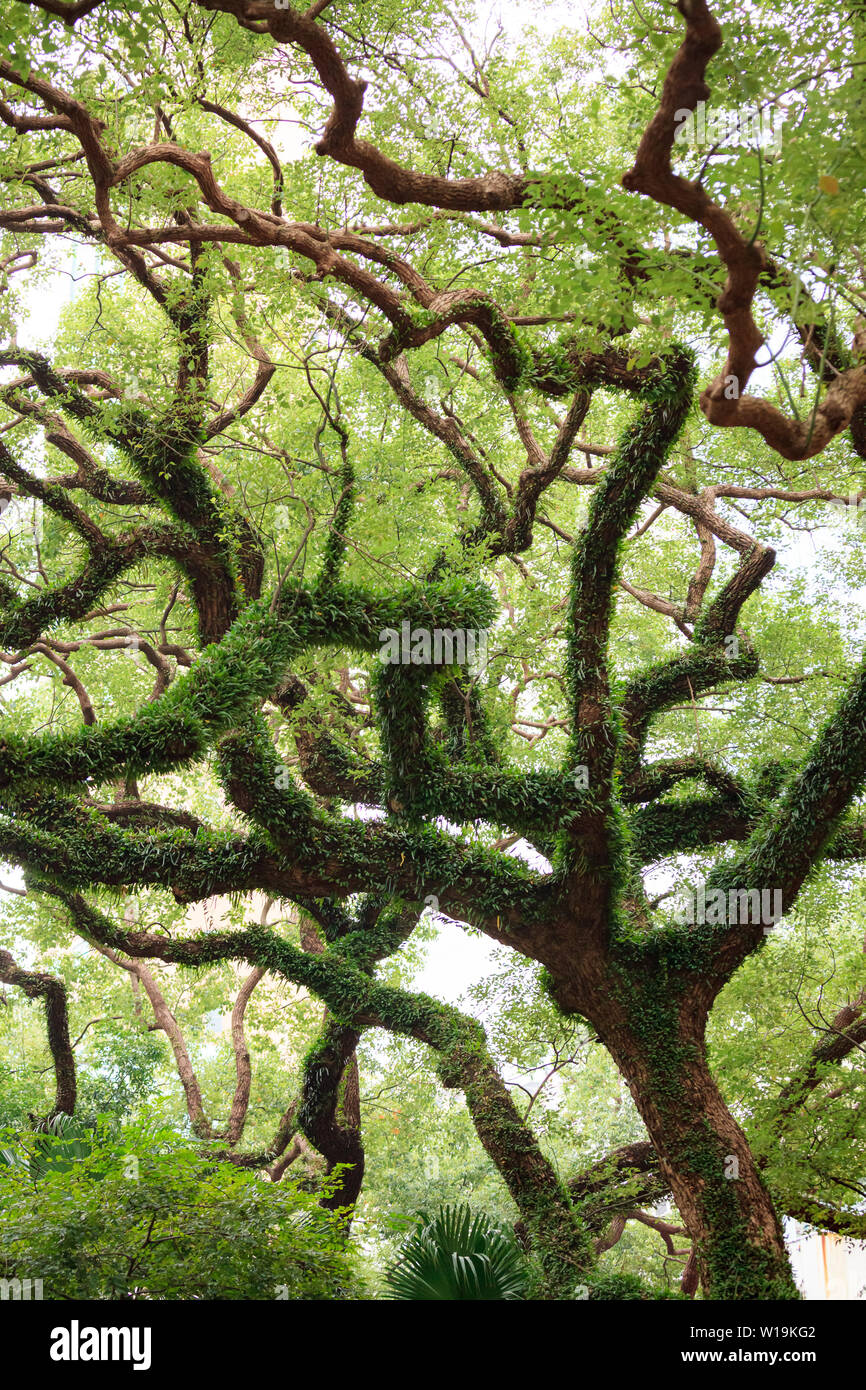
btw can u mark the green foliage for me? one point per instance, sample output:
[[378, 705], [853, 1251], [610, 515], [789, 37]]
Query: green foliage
[[618, 1288], [140, 1216], [120, 1071], [456, 1254], [58, 1146]]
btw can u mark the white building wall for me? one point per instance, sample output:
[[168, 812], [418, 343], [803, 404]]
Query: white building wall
[[826, 1266]]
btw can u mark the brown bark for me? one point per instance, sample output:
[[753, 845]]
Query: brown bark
[[745, 261], [705, 1156], [330, 1124], [559, 1235], [240, 1103], [40, 986], [166, 1021], [330, 1108], [652, 1019]]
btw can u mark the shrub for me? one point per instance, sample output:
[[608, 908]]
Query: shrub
[[136, 1214]]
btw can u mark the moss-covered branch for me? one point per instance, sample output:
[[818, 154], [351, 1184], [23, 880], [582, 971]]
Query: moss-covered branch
[[37, 985], [340, 978]]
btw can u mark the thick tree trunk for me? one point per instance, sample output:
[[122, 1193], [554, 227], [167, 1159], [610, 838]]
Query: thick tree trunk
[[704, 1154], [329, 1113]]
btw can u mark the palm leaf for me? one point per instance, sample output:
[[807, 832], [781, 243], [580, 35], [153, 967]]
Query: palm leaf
[[458, 1255]]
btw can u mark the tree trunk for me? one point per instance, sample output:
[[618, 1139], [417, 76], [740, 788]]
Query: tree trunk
[[727, 1210], [330, 1118]]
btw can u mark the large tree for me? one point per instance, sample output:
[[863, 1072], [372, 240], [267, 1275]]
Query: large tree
[[514, 412]]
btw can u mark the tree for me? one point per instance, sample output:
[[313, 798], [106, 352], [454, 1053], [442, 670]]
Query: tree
[[325, 604]]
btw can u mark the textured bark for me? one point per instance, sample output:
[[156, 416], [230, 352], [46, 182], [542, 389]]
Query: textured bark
[[704, 1155], [331, 1126], [330, 1109], [241, 1101], [556, 1232], [168, 1024], [40, 986]]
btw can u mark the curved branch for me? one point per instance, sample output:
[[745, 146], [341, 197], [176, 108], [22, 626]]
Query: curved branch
[[37, 985], [724, 402]]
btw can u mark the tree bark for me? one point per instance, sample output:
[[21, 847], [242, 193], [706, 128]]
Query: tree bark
[[736, 1233], [555, 1230]]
